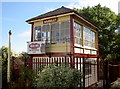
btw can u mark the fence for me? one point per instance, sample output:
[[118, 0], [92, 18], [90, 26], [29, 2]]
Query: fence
[[106, 72], [109, 72], [88, 66]]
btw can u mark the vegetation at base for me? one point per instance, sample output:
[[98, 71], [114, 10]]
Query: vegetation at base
[[109, 36], [4, 56], [23, 79], [116, 84], [20, 78], [58, 77]]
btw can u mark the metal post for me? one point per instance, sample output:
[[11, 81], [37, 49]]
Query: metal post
[[9, 56]]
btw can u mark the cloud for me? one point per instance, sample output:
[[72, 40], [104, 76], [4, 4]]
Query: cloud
[[112, 4], [49, 9], [26, 33], [74, 5]]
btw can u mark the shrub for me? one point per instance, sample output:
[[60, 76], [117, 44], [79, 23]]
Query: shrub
[[23, 79], [116, 84], [58, 77]]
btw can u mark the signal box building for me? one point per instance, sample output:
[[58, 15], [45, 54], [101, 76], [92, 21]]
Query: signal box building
[[65, 37]]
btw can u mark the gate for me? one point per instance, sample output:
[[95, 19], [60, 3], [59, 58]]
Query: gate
[[87, 66]]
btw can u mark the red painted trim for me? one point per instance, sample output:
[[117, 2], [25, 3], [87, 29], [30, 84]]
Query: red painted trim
[[72, 34], [50, 55], [31, 63], [71, 41], [92, 84], [98, 66], [65, 54], [98, 70], [58, 54], [32, 32], [85, 55]]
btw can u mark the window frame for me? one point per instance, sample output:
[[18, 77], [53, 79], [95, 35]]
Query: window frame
[[58, 37]]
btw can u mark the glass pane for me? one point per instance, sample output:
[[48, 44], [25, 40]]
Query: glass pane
[[46, 28], [78, 33], [37, 33], [47, 34], [89, 37], [44, 34], [38, 28], [65, 32], [55, 26]]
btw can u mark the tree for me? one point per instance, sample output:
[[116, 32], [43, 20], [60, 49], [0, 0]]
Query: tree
[[108, 21], [4, 52], [115, 56], [4, 56]]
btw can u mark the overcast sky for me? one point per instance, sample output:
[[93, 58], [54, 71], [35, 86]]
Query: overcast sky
[[15, 13]]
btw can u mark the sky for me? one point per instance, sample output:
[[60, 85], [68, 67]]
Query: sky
[[13, 15]]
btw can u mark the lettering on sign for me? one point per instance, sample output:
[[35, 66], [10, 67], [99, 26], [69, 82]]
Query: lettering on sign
[[36, 47], [50, 20]]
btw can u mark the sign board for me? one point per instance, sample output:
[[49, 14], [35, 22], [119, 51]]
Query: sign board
[[50, 20], [36, 47]]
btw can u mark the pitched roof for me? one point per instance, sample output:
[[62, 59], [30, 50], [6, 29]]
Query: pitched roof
[[62, 10], [58, 11]]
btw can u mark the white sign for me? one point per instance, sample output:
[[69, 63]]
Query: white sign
[[36, 47]]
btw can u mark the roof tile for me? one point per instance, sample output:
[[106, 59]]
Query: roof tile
[[58, 11]]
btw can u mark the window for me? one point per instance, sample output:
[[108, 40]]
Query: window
[[38, 34], [42, 33], [61, 32], [46, 33], [55, 33], [89, 38], [78, 33], [65, 32]]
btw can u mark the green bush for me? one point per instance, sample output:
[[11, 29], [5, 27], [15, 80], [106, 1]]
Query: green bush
[[116, 84], [58, 77]]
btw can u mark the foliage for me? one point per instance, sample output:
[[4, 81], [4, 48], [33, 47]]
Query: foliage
[[116, 84], [22, 75], [24, 80], [58, 77], [108, 21], [115, 53], [4, 52], [26, 76], [24, 55], [4, 56]]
